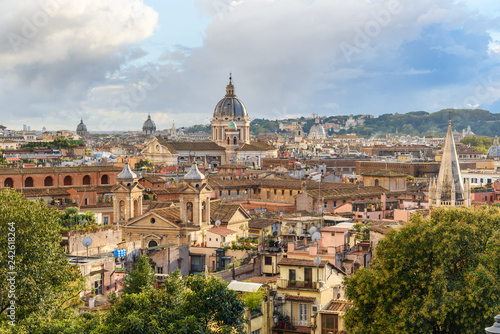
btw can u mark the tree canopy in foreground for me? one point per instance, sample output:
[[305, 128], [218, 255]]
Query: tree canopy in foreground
[[436, 275]]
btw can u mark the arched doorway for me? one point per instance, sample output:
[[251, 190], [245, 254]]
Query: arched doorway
[[8, 183], [152, 243], [104, 179]]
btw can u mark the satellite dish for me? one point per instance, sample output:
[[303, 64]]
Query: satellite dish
[[217, 223], [290, 230], [316, 236], [86, 242], [312, 230], [317, 261]]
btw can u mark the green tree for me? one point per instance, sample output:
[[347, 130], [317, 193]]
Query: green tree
[[435, 275], [45, 283], [140, 278]]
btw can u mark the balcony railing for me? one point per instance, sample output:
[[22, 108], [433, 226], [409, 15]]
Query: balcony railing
[[284, 283]]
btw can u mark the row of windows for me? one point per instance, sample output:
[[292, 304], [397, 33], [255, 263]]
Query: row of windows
[[481, 180], [49, 181]]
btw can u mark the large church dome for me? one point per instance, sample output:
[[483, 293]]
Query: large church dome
[[149, 126], [81, 127], [230, 105]]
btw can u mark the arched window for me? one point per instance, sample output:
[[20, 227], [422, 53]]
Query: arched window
[[228, 140], [189, 211], [152, 243], [121, 209], [48, 182], [28, 183], [8, 183], [377, 182], [86, 180], [104, 179], [235, 141], [68, 181], [204, 212], [136, 208]]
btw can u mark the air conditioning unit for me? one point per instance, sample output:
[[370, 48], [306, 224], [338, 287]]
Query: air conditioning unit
[[315, 308]]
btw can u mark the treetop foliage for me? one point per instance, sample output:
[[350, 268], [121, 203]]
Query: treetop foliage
[[435, 275]]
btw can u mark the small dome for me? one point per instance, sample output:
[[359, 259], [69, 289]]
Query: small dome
[[230, 105], [232, 125], [494, 150], [317, 132], [194, 173], [81, 127], [149, 126], [126, 173]]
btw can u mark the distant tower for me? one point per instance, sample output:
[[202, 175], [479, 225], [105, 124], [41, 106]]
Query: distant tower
[[317, 131], [81, 129], [149, 127], [127, 196], [230, 110], [448, 189], [173, 131]]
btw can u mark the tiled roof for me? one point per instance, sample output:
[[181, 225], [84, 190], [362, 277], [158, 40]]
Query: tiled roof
[[337, 306], [217, 183], [347, 192], [300, 298], [223, 211], [232, 166], [193, 146], [256, 146], [160, 205], [384, 173], [221, 230], [286, 261], [41, 192], [97, 189], [172, 214], [261, 223]]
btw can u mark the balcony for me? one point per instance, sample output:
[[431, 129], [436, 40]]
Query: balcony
[[284, 283]]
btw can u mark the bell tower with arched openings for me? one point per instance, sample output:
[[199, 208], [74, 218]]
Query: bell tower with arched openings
[[127, 196], [195, 199]]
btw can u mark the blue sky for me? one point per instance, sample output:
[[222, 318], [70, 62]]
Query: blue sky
[[114, 61]]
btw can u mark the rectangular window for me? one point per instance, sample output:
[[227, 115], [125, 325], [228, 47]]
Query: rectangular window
[[86, 201], [334, 204], [481, 180], [237, 192], [268, 260], [325, 204], [268, 194], [329, 323], [291, 274], [275, 191], [105, 220], [255, 191], [291, 192], [229, 192], [220, 193], [159, 270]]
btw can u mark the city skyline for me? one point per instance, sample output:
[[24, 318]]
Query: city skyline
[[112, 63]]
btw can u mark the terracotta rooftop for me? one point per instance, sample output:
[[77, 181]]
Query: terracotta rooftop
[[160, 205], [172, 214], [221, 230], [223, 211], [261, 223], [40, 192], [175, 146], [347, 192], [300, 298], [337, 307], [385, 173], [256, 146]]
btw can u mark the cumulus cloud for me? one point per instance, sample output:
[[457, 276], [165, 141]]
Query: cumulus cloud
[[288, 57]]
